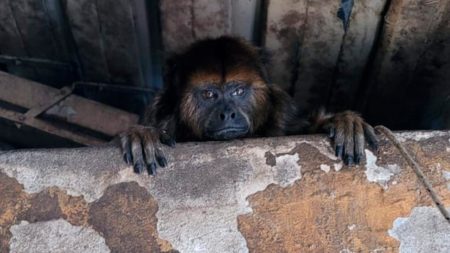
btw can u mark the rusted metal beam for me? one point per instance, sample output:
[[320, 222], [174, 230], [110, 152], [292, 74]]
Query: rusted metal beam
[[29, 61], [73, 109], [42, 125]]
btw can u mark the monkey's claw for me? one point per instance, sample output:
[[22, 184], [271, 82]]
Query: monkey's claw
[[350, 132], [142, 148]]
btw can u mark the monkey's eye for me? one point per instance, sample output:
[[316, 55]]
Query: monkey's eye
[[208, 94], [238, 92]]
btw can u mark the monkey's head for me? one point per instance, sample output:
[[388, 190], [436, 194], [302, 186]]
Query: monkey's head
[[219, 88]]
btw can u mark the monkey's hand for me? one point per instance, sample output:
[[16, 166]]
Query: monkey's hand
[[142, 148], [350, 132]]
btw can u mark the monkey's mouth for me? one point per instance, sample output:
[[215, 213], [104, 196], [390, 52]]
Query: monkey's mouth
[[228, 133]]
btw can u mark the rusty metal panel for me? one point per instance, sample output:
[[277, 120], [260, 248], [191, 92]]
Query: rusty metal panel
[[73, 109], [409, 30]]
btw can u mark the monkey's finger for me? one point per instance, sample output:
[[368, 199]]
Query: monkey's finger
[[339, 138], [136, 150], [349, 143], [160, 158], [372, 138], [149, 152], [166, 139], [359, 142], [332, 132], [126, 149]]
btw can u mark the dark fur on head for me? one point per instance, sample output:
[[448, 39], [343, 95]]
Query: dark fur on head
[[219, 62], [218, 89]]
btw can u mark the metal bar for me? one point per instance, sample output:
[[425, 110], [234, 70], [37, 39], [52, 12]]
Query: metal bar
[[74, 109], [8, 59], [113, 86], [48, 128]]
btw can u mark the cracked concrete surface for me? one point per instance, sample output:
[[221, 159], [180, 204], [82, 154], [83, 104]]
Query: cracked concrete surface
[[55, 236], [255, 195]]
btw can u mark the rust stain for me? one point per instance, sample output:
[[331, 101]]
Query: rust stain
[[126, 217], [53, 203], [44, 206], [330, 212], [12, 202]]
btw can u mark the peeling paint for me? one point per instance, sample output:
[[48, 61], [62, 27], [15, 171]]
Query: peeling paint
[[54, 237], [75, 177], [425, 230], [207, 228], [446, 175], [420, 135], [338, 166], [378, 174], [325, 168]]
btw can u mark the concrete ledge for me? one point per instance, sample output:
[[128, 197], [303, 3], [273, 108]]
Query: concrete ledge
[[285, 194]]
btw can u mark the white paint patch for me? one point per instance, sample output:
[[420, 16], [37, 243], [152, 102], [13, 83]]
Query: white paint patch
[[195, 215], [420, 135], [446, 175], [425, 230], [325, 168], [338, 166], [378, 174], [54, 237], [59, 169], [195, 223], [287, 168]]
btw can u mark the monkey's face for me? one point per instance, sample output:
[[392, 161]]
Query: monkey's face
[[224, 108], [224, 114], [223, 92]]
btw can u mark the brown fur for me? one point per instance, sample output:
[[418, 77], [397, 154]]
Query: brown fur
[[269, 111]]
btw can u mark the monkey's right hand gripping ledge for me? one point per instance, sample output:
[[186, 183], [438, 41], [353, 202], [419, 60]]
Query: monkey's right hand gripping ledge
[[288, 194]]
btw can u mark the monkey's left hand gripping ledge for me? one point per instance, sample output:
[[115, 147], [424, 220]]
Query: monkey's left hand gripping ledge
[[287, 194]]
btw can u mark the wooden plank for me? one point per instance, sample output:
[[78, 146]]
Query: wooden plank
[[49, 128], [120, 42], [358, 43], [318, 53], [38, 31], [84, 23], [73, 109], [433, 74], [184, 22], [244, 18], [11, 41], [284, 33], [408, 32]]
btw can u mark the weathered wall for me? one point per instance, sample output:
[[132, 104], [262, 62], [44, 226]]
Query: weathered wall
[[261, 195]]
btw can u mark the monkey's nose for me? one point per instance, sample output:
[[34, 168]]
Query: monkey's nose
[[227, 115]]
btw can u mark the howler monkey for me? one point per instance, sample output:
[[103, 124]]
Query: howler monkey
[[218, 89]]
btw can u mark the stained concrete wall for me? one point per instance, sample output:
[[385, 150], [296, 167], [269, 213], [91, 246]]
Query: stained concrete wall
[[258, 195]]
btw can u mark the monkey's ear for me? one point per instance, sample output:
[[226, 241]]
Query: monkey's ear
[[264, 58]]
